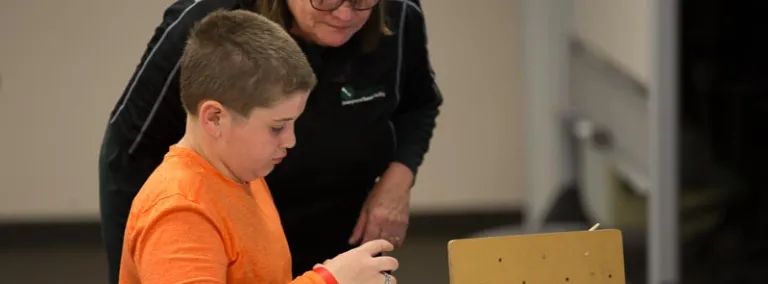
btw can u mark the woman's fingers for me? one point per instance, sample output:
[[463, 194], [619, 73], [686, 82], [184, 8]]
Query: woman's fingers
[[376, 247]]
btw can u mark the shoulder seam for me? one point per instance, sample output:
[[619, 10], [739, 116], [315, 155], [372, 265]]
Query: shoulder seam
[[149, 58], [410, 4], [153, 112]]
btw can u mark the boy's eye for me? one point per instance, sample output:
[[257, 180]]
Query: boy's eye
[[277, 129]]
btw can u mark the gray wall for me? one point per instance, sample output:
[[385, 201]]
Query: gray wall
[[617, 29], [64, 63]]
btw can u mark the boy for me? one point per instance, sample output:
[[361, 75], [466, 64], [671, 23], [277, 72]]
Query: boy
[[206, 215]]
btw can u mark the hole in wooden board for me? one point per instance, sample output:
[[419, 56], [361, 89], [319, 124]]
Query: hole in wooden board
[[610, 276], [499, 259], [543, 256], [567, 279]]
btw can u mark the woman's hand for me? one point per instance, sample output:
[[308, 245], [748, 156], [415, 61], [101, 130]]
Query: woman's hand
[[361, 266], [385, 213]]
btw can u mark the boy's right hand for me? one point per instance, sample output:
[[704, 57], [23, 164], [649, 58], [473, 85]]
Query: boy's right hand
[[361, 265]]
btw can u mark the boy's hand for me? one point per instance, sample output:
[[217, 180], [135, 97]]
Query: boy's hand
[[362, 265]]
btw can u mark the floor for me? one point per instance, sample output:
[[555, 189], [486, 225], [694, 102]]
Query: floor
[[72, 253]]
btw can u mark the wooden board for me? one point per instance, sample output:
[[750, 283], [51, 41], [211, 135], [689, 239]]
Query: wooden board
[[581, 257]]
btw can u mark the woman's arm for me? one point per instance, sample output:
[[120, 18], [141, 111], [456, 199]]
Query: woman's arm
[[152, 93], [177, 243], [420, 98]]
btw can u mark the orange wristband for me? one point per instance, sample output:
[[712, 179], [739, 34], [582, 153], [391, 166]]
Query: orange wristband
[[326, 275]]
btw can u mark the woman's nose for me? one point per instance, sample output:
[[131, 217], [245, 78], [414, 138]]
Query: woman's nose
[[344, 12]]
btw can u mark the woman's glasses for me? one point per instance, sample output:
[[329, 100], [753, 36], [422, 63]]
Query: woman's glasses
[[330, 5]]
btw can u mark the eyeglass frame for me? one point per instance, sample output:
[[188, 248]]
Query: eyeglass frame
[[341, 2]]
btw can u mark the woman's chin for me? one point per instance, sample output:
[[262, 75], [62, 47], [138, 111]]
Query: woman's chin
[[332, 40]]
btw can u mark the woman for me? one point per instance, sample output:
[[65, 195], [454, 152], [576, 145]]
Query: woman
[[365, 130]]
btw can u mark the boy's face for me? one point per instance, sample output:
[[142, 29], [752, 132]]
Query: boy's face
[[250, 147]]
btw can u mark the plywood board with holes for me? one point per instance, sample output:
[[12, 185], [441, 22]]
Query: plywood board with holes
[[581, 257]]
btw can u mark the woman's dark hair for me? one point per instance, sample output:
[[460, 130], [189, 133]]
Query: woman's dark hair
[[369, 35]]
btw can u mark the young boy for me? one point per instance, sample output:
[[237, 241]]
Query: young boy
[[206, 215]]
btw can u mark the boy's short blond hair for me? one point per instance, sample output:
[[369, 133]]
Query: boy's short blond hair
[[243, 61]]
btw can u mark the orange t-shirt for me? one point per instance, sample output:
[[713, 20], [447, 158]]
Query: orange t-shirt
[[191, 224]]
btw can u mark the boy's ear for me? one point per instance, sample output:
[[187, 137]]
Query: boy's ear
[[211, 112], [212, 115]]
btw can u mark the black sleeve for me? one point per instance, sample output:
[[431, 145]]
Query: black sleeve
[[152, 94], [419, 98]]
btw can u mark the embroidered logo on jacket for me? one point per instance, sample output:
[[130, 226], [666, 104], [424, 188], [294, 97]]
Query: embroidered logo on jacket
[[351, 96]]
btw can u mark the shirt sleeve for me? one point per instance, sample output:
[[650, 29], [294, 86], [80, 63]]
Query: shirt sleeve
[[179, 243], [415, 118], [309, 277]]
